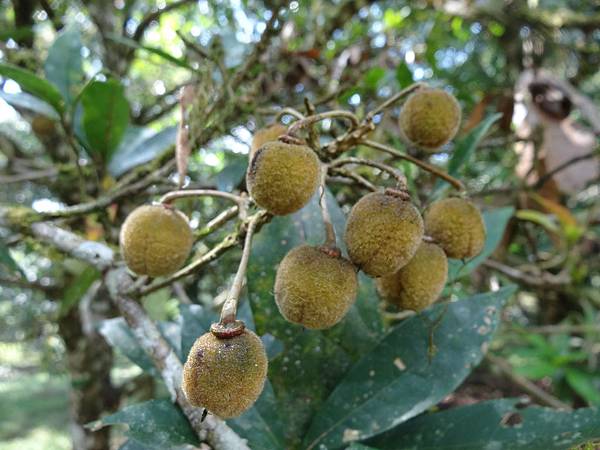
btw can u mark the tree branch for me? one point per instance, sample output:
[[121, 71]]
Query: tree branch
[[155, 15]]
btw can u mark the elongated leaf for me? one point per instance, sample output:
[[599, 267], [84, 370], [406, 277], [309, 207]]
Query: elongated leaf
[[495, 224], [138, 146], [119, 335], [261, 425], [77, 289], [105, 116], [158, 424], [7, 261], [30, 103], [396, 381], [312, 362], [63, 66], [33, 84], [467, 145], [495, 424]]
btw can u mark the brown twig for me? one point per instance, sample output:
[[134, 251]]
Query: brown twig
[[396, 174], [330, 238]]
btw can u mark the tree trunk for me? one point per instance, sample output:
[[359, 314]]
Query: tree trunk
[[89, 363]]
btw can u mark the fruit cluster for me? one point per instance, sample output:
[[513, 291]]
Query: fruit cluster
[[386, 237]]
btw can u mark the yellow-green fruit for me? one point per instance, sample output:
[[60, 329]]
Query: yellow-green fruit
[[267, 134], [430, 118], [383, 233], [283, 177], [419, 283], [155, 240], [225, 375], [315, 286], [457, 226]]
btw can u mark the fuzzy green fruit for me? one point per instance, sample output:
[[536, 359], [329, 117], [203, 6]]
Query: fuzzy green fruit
[[430, 118], [383, 233], [267, 134], [419, 283], [155, 240], [315, 286], [457, 225], [283, 177], [225, 375]]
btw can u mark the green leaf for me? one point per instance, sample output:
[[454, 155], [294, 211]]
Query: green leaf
[[153, 50], [233, 173], [119, 335], [77, 289], [105, 116], [312, 362], [404, 75], [138, 146], [495, 224], [29, 102], [16, 34], [7, 260], [495, 424], [373, 77], [261, 425], [63, 66], [159, 424], [583, 384], [132, 444], [195, 321], [33, 84], [467, 144], [397, 380]]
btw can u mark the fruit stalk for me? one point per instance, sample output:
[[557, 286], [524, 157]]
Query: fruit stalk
[[330, 238], [229, 310], [297, 126], [394, 98], [456, 184], [168, 198], [397, 175]]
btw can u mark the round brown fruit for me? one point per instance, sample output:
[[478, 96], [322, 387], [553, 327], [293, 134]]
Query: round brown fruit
[[155, 240], [457, 226], [383, 233], [430, 118], [225, 375], [283, 177], [419, 283], [315, 286]]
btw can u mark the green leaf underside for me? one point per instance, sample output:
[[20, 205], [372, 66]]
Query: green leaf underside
[[396, 380], [63, 66], [494, 425], [33, 84]]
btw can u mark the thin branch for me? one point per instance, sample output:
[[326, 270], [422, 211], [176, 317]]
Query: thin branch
[[544, 178], [457, 184], [289, 112], [155, 15], [229, 310], [394, 98], [216, 223], [543, 397], [29, 176], [358, 179], [397, 175], [335, 114], [538, 280], [330, 238], [174, 195]]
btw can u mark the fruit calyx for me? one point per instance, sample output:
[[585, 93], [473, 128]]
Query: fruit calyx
[[288, 139], [228, 330], [329, 250]]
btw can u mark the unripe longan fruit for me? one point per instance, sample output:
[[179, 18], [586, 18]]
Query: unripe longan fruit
[[383, 233], [430, 118], [267, 134], [225, 375], [419, 283], [457, 225], [283, 177], [315, 286], [155, 240]]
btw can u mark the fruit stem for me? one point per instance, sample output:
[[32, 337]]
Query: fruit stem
[[456, 184], [394, 98], [229, 310], [330, 237], [297, 126], [399, 177], [289, 112], [169, 197]]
